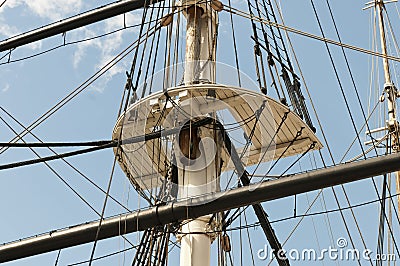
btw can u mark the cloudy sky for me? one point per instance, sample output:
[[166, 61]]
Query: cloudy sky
[[42, 12], [30, 87], [35, 200]]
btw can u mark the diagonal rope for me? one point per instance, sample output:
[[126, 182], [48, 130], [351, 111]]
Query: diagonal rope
[[65, 161], [3, 3], [79, 89], [244, 14], [55, 172]]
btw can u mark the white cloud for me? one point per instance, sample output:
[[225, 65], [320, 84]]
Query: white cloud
[[111, 45], [5, 88], [11, 4], [54, 9], [7, 30], [81, 48], [105, 47], [50, 9]]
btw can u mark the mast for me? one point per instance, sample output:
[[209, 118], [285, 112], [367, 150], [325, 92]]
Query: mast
[[198, 161], [391, 92]]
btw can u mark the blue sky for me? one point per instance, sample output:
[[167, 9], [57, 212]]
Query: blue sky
[[34, 200]]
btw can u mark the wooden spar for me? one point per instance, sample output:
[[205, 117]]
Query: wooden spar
[[74, 22]]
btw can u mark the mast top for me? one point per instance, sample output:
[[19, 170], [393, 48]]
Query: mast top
[[374, 3]]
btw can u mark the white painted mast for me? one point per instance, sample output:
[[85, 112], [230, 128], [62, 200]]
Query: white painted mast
[[199, 165]]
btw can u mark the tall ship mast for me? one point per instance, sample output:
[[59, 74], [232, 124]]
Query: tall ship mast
[[392, 125], [391, 92], [221, 153]]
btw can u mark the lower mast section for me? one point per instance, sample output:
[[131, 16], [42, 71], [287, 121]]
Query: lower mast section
[[199, 167]]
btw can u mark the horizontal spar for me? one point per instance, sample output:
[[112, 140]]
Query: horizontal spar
[[99, 145], [196, 207], [75, 22]]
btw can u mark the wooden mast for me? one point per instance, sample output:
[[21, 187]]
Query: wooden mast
[[392, 94]]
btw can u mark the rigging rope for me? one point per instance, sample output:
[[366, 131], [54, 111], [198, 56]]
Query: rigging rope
[[104, 256], [132, 70], [55, 172], [235, 47], [299, 216], [3, 3], [78, 90], [150, 56], [58, 254], [298, 134], [65, 43], [309, 96], [68, 163], [309, 35], [118, 147], [62, 179], [55, 144], [348, 109]]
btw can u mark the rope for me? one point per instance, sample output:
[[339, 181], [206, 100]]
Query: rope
[[235, 47], [299, 158], [79, 89], [113, 165], [316, 114], [59, 252], [309, 35], [151, 54], [298, 134], [68, 163], [3, 3], [55, 144], [306, 214], [104, 256], [54, 172], [349, 112], [9, 61]]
